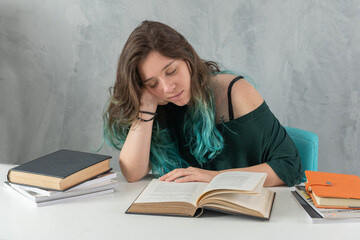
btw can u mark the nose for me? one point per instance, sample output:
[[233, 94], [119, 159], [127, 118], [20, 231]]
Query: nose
[[168, 86]]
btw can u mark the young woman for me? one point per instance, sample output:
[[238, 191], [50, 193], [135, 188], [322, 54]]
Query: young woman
[[175, 114]]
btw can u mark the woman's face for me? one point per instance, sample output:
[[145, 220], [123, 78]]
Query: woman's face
[[166, 78]]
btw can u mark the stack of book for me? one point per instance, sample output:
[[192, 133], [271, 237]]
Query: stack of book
[[61, 176], [330, 196]]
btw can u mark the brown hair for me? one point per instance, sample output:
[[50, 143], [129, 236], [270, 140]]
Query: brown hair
[[124, 103]]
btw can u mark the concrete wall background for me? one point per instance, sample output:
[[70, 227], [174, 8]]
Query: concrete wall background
[[58, 59]]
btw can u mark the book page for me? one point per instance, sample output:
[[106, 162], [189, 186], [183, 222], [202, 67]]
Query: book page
[[237, 180], [256, 202], [235, 202], [327, 212], [161, 191]]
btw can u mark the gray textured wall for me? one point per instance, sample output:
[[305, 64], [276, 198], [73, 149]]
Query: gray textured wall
[[58, 58]]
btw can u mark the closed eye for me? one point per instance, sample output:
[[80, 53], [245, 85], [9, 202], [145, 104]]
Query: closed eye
[[171, 73], [154, 85]]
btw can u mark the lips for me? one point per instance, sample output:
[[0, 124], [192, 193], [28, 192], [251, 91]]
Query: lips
[[176, 96]]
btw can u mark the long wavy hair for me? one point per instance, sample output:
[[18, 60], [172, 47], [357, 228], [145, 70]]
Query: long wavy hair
[[202, 136]]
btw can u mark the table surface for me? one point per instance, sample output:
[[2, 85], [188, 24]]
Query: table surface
[[103, 217]]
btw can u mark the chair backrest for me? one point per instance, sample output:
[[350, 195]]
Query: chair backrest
[[307, 144]]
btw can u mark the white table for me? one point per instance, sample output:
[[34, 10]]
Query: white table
[[103, 217]]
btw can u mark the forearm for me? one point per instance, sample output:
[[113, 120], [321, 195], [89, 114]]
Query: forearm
[[272, 178], [135, 154]]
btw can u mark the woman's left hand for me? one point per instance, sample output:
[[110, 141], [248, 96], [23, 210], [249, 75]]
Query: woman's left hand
[[190, 174]]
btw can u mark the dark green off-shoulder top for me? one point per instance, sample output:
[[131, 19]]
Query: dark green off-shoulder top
[[254, 138]]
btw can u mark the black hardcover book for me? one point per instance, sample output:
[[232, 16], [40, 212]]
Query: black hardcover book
[[60, 170]]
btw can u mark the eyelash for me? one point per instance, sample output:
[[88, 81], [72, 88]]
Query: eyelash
[[171, 73], [154, 85]]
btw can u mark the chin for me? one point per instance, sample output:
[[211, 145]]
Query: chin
[[185, 100], [180, 104]]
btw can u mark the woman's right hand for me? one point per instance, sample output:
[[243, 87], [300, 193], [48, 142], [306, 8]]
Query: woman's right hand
[[149, 101]]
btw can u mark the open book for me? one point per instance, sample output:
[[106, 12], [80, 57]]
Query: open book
[[229, 192]]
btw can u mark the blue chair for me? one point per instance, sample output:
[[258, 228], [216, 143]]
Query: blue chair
[[307, 144]]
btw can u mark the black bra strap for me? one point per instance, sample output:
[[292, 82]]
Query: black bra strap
[[231, 114]]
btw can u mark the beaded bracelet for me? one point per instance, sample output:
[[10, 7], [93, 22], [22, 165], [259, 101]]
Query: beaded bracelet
[[147, 120]]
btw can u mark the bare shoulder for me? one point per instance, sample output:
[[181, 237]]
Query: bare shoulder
[[244, 97]]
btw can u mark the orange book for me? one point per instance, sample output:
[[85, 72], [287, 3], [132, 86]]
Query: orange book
[[333, 190]]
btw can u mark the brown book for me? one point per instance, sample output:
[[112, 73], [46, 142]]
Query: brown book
[[60, 170], [239, 193]]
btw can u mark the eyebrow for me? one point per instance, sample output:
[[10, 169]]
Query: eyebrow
[[166, 66]]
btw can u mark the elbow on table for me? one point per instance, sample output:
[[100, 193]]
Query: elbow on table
[[132, 179], [133, 175]]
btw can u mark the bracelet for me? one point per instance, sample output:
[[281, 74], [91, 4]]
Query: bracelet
[[147, 120], [151, 113]]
